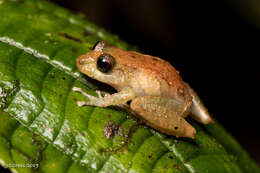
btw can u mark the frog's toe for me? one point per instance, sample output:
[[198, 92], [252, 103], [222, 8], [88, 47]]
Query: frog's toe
[[99, 94], [81, 103], [76, 89]]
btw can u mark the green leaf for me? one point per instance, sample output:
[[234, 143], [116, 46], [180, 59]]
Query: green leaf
[[41, 125]]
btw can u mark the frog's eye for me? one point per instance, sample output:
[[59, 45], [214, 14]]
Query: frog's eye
[[105, 63]]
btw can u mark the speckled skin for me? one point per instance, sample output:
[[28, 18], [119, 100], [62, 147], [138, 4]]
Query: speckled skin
[[146, 74], [158, 94]]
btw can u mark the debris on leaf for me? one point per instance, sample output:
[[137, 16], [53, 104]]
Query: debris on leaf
[[111, 129]]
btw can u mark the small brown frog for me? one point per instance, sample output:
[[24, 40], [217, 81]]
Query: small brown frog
[[157, 93]]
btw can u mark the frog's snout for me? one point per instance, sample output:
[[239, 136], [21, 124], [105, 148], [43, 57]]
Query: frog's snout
[[80, 61], [83, 61]]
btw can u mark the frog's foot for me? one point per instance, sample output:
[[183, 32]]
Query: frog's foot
[[76, 89], [94, 101], [81, 103], [99, 93], [108, 100], [90, 103]]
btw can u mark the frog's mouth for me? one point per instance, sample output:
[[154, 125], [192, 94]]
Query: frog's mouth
[[101, 86]]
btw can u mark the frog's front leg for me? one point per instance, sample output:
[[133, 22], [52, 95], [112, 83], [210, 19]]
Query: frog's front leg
[[155, 112], [119, 98]]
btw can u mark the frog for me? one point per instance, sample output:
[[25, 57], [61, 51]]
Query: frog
[[149, 86]]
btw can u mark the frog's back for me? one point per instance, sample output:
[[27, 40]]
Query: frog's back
[[169, 78], [153, 64]]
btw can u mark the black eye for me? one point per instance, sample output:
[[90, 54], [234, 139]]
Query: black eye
[[105, 63]]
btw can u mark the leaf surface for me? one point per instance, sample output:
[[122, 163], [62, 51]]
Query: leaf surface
[[40, 122]]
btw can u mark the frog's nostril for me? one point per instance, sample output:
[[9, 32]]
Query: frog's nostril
[[81, 62]]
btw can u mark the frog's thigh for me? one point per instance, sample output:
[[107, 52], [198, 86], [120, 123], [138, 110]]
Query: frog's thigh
[[161, 117]]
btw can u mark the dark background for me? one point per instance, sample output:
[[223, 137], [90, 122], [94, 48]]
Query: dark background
[[214, 44]]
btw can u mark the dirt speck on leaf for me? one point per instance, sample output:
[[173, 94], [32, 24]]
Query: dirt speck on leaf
[[177, 167], [111, 129], [170, 157], [65, 35]]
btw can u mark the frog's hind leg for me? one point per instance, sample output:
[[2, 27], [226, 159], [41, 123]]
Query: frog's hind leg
[[156, 113], [198, 111]]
